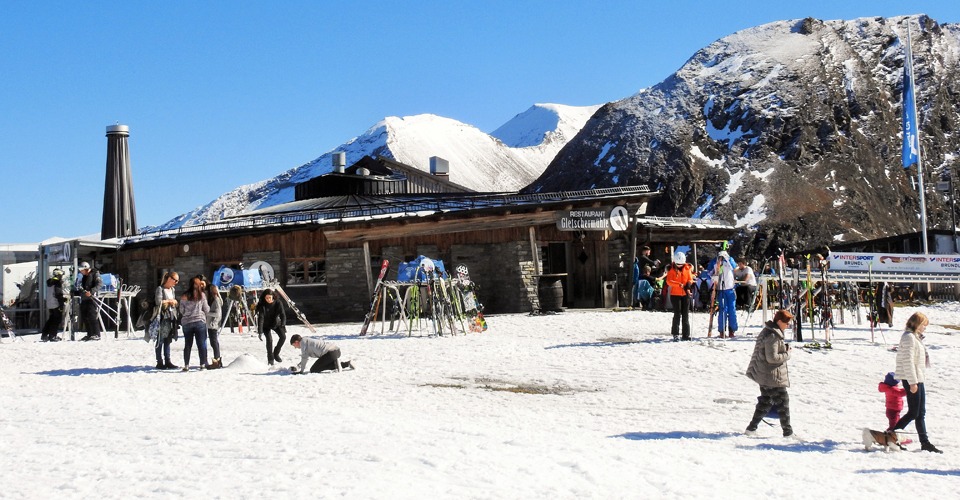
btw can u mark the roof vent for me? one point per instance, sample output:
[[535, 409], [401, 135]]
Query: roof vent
[[363, 172], [339, 161], [439, 166]]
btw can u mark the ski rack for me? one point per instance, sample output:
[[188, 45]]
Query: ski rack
[[121, 298], [244, 290], [406, 292], [864, 276]]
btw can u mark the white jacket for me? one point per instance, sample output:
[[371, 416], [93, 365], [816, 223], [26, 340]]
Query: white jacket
[[911, 359]]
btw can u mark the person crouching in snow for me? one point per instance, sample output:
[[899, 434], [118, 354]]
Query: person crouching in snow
[[327, 352], [890, 387], [768, 368]]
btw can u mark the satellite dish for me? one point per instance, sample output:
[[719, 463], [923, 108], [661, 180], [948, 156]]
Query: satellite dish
[[266, 270], [226, 276]]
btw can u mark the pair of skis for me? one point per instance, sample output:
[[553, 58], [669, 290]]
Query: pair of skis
[[293, 307], [375, 300]]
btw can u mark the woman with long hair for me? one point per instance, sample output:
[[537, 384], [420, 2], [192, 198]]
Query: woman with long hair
[[271, 316], [911, 363], [214, 317], [166, 301], [193, 320]]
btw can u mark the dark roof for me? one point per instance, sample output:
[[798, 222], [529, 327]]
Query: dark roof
[[352, 208]]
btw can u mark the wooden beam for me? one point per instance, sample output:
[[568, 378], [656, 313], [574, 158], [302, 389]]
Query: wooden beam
[[430, 226]]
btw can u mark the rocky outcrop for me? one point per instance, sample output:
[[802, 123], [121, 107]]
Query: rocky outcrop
[[790, 130]]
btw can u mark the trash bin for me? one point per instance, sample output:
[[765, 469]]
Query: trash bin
[[609, 293]]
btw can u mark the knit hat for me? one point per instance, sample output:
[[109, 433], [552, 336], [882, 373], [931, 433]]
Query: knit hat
[[890, 379]]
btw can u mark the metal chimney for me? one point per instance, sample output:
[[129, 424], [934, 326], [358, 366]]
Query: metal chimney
[[439, 166], [339, 161], [119, 210]]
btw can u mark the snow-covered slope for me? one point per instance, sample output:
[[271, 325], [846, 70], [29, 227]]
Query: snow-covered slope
[[507, 160]]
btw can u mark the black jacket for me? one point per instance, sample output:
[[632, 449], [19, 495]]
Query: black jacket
[[90, 283], [271, 316]]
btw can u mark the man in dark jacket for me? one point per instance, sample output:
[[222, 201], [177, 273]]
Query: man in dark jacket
[[89, 311], [768, 368]]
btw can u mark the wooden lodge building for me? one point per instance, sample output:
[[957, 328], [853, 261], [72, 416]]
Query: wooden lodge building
[[327, 245]]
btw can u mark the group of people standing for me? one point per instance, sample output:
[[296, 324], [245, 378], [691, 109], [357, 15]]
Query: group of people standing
[[55, 300], [725, 280], [198, 312]]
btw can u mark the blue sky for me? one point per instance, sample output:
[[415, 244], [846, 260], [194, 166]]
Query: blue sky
[[220, 94]]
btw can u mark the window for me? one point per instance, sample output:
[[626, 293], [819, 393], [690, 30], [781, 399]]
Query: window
[[306, 272]]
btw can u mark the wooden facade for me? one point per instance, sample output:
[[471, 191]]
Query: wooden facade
[[326, 247]]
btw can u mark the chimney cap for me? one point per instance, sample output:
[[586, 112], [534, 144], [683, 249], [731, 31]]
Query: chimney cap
[[118, 129]]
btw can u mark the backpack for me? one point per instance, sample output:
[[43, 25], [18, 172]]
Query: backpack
[[644, 290]]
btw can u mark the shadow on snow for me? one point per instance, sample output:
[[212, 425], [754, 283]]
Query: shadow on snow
[[655, 436], [901, 470], [75, 372]]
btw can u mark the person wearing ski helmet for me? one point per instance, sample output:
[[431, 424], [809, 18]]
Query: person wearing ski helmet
[[679, 279], [726, 296]]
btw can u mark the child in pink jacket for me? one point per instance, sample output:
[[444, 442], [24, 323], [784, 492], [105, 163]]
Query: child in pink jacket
[[891, 388]]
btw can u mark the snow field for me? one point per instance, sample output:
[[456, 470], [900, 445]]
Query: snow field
[[588, 404]]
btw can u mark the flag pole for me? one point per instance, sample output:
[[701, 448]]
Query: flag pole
[[913, 104]]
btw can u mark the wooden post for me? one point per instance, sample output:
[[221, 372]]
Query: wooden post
[[633, 257], [366, 267], [534, 251]]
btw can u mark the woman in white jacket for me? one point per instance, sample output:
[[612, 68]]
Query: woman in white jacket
[[911, 362]]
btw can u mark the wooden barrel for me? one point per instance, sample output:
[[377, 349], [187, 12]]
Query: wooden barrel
[[550, 293]]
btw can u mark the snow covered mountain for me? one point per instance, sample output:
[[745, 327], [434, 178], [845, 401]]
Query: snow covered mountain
[[790, 130], [507, 160]]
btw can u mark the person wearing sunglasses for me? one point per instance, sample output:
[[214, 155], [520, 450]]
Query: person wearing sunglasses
[[166, 300]]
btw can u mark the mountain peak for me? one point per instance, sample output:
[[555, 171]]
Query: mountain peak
[[479, 161], [535, 125]]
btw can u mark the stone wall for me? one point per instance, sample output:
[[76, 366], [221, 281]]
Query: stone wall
[[503, 273]]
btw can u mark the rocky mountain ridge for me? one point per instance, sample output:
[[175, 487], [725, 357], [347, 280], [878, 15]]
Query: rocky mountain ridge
[[790, 130]]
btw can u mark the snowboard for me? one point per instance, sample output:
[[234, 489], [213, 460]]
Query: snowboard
[[467, 290]]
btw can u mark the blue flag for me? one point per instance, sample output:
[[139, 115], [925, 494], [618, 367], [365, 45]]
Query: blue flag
[[911, 139]]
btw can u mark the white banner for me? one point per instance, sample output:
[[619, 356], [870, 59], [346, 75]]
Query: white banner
[[894, 262]]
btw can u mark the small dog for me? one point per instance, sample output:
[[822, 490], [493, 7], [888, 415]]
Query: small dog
[[888, 440]]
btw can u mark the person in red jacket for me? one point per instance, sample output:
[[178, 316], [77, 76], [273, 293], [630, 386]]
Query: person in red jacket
[[679, 279], [894, 393]]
